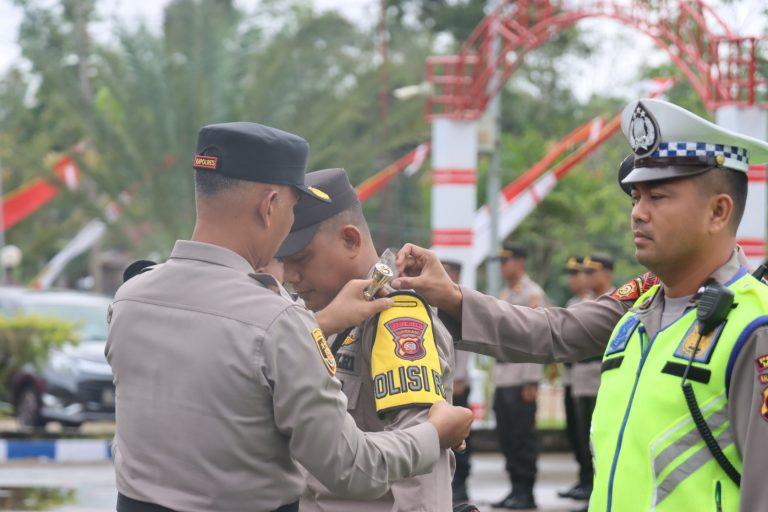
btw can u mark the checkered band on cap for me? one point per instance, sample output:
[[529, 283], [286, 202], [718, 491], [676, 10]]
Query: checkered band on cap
[[735, 157]]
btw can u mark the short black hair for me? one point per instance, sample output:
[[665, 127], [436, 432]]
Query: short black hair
[[353, 215], [733, 183], [209, 183]]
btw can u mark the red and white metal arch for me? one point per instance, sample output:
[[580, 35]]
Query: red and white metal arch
[[722, 67]]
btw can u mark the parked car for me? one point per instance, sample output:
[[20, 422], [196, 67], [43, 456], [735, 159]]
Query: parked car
[[74, 385]]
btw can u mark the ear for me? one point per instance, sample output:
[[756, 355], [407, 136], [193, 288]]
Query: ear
[[720, 213], [266, 207], [351, 238]]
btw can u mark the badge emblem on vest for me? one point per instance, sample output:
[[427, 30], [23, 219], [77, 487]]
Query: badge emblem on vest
[[621, 339], [408, 335], [643, 132], [706, 345]]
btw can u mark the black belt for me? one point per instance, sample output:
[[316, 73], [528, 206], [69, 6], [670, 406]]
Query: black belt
[[126, 504]]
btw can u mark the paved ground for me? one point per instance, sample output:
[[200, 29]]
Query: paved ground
[[94, 484]]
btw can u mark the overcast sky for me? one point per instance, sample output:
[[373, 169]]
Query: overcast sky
[[620, 51]]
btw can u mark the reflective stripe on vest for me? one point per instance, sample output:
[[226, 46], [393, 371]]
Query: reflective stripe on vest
[[648, 453]]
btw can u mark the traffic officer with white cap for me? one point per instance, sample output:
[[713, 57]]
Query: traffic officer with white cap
[[224, 385], [681, 421]]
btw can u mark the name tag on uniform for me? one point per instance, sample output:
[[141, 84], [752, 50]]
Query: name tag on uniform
[[619, 342]]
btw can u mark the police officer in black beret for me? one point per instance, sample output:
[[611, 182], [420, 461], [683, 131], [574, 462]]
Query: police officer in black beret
[[224, 385]]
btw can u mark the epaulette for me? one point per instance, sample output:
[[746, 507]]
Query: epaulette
[[136, 268]]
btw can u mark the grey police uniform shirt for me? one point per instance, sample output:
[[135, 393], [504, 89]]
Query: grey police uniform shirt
[[493, 327], [426, 493], [525, 293], [221, 390]]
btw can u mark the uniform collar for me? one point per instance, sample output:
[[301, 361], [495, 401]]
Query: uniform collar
[[269, 281], [725, 274], [209, 253]]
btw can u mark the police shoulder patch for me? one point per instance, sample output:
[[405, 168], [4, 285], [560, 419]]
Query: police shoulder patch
[[405, 366], [764, 405], [325, 351], [632, 290], [761, 363]]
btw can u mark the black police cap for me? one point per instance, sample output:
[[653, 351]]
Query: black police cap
[[599, 261], [307, 216], [513, 250], [254, 152]]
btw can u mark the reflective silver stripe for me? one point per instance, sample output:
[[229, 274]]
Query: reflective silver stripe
[[693, 463], [689, 440]]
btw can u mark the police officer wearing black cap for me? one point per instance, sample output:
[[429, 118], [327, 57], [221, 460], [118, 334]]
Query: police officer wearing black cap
[[392, 366], [224, 385]]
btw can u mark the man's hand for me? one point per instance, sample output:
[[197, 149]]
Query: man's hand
[[452, 423], [350, 308], [420, 270]]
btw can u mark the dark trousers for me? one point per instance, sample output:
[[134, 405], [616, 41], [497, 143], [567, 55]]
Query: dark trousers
[[571, 432], [579, 446], [585, 406], [463, 464], [516, 427]]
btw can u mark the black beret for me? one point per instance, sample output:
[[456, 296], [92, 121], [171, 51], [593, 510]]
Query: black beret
[[308, 215], [254, 152]]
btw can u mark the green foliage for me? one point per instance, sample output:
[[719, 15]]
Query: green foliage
[[140, 98], [28, 340]]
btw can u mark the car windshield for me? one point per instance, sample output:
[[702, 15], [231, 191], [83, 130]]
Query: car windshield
[[91, 319]]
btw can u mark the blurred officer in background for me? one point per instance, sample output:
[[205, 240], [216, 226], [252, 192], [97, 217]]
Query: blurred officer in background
[[461, 389], [577, 284], [517, 386]]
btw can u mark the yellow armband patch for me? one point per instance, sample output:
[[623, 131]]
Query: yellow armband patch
[[405, 366]]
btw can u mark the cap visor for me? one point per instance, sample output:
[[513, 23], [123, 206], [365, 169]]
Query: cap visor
[[296, 241], [641, 174], [313, 193]]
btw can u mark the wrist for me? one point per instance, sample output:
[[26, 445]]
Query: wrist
[[326, 323], [452, 303]]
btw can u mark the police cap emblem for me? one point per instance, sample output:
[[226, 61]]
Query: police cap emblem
[[644, 135]]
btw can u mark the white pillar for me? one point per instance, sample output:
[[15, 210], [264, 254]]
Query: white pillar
[[753, 231], [454, 183]]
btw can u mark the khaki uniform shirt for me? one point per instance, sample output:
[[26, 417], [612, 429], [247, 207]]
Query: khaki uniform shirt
[[514, 333], [426, 493], [525, 293], [222, 389]]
